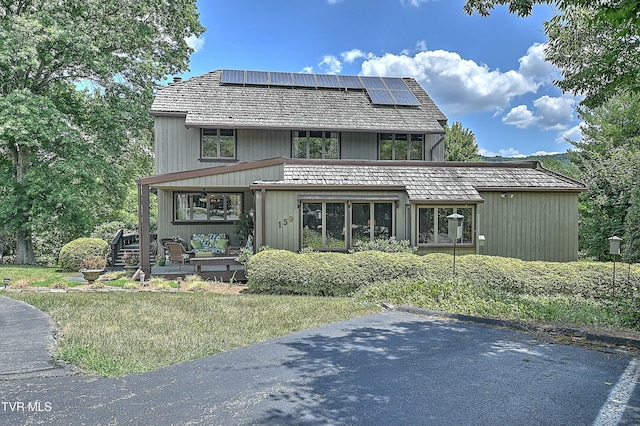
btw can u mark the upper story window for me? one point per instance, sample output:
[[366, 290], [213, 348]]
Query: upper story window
[[315, 144], [401, 146], [218, 143], [207, 207]]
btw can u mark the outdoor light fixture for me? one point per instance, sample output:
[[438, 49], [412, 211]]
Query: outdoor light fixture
[[614, 249], [506, 195], [455, 224]]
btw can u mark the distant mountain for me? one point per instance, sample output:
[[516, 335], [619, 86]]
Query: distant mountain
[[557, 162], [562, 158]]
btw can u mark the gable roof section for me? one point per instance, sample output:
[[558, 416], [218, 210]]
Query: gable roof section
[[205, 102], [425, 181]]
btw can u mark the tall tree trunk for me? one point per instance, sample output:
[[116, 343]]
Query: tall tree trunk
[[24, 249], [24, 245]]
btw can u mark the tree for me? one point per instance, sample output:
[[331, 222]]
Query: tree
[[76, 82], [460, 144], [608, 158], [596, 45]]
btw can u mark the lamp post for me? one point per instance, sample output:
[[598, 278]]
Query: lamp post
[[455, 224], [614, 249]]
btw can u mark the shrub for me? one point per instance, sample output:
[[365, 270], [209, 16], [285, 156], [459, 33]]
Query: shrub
[[74, 252], [334, 274], [391, 245], [326, 273], [93, 262]]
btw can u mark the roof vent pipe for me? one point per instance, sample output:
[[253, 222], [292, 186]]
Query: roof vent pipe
[[177, 79]]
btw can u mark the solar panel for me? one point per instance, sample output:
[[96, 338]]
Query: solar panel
[[304, 80], [281, 79], [351, 82], [257, 77], [373, 82], [327, 80], [232, 76], [405, 97], [395, 83], [381, 97]]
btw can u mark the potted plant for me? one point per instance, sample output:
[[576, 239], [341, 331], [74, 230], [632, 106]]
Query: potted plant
[[131, 261], [91, 267], [160, 260]]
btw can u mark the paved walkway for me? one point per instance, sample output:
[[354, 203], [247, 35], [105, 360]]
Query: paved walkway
[[27, 340]]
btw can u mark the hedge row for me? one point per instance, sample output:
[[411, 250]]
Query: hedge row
[[339, 274]]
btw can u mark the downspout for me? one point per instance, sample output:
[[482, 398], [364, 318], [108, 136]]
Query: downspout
[[144, 229], [263, 219]]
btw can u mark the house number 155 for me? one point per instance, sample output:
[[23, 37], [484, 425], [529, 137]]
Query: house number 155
[[285, 221]]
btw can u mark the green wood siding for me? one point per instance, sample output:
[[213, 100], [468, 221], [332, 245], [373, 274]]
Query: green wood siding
[[359, 146], [260, 144], [530, 226], [176, 147], [282, 206]]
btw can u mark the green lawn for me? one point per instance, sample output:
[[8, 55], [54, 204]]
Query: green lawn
[[114, 334]]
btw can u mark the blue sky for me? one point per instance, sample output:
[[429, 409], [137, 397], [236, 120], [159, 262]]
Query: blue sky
[[487, 73]]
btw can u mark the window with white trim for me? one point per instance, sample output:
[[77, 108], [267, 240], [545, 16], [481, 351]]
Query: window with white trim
[[218, 143], [315, 144], [400, 146], [433, 225]]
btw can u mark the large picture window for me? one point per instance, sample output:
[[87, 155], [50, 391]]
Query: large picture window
[[371, 220], [401, 146], [325, 223], [206, 207], [218, 143], [315, 144], [433, 225]]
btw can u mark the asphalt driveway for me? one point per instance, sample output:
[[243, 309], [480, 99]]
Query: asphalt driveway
[[391, 368]]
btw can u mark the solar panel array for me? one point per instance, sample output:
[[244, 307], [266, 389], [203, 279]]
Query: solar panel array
[[381, 90]]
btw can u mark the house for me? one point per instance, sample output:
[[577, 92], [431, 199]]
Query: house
[[324, 160]]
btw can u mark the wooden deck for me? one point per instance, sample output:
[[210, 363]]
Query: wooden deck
[[221, 272]]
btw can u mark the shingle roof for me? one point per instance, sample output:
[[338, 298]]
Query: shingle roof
[[207, 103], [427, 181]]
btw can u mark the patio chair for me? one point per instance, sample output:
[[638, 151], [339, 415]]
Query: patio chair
[[177, 253]]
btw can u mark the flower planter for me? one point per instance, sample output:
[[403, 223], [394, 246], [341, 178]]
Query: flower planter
[[91, 274], [130, 270]]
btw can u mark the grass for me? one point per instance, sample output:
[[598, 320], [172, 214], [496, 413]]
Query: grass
[[463, 297], [114, 334], [33, 275]]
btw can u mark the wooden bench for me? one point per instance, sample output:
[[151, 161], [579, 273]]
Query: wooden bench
[[227, 261]]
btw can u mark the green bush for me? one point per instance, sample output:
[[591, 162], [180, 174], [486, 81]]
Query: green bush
[[391, 245], [333, 274], [74, 252], [325, 273]]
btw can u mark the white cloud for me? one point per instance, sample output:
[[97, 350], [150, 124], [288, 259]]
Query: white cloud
[[196, 43], [546, 153], [458, 85], [354, 54], [533, 65], [551, 113], [333, 1], [415, 3], [554, 113], [308, 70], [509, 152], [520, 117], [573, 134], [331, 64]]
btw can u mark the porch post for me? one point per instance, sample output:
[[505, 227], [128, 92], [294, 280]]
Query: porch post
[[144, 229]]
